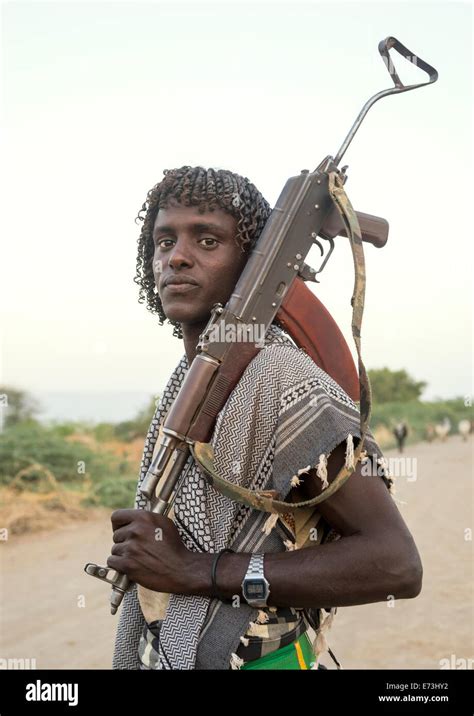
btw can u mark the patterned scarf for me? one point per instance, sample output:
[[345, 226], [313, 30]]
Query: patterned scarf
[[284, 416]]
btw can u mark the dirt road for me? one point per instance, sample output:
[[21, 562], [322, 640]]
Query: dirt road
[[54, 613]]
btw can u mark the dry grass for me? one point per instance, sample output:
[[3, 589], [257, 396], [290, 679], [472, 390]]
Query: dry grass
[[49, 506], [33, 512], [35, 501], [132, 451]]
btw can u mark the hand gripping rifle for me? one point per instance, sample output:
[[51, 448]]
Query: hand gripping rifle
[[312, 205]]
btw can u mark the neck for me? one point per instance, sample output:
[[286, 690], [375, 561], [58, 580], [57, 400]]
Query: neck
[[191, 333]]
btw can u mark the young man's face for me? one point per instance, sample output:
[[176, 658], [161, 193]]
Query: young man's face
[[201, 249]]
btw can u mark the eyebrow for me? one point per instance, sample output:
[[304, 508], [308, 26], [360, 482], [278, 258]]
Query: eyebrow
[[195, 227]]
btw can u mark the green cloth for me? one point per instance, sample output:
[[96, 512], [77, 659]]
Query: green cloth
[[286, 657]]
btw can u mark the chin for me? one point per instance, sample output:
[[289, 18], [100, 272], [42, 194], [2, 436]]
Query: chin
[[185, 316], [185, 309]]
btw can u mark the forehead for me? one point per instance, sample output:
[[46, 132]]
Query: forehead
[[177, 216]]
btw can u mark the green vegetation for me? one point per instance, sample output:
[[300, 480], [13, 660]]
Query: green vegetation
[[113, 492], [40, 459], [23, 445], [138, 427], [18, 406], [74, 457], [394, 386]]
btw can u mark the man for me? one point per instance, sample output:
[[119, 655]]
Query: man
[[400, 432], [295, 429]]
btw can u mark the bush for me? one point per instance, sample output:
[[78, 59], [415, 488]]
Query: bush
[[64, 430], [42, 461], [26, 444], [116, 493], [104, 432], [128, 430], [19, 405]]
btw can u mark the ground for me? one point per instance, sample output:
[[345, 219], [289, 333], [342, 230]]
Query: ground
[[43, 584]]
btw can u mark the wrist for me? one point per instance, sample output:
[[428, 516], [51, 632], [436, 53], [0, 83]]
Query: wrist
[[197, 574], [231, 570]]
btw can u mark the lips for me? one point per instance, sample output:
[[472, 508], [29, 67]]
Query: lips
[[179, 280], [180, 287], [179, 284]]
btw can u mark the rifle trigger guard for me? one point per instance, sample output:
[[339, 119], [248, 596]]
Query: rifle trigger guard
[[331, 244], [306, 272], [318, 244]]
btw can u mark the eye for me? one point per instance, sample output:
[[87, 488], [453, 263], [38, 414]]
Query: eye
[[160, 243], [209, 238]]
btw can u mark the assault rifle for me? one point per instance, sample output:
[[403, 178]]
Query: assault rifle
[[312, 206]]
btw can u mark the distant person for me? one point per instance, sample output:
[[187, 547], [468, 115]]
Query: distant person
[[400, 431]]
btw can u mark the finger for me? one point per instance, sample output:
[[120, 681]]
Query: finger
[[118, 550], [121, 534], [123, 517], [117, 563]]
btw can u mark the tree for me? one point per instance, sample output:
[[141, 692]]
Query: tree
[[394, 386], [137, 427], [18, 406]]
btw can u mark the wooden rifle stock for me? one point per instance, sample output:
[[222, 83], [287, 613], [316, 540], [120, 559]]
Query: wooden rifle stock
[[313, 329]]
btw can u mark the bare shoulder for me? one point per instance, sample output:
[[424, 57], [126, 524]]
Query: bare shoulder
[[362, 505]]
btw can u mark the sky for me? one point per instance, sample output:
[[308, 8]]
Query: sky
[[99, 98]]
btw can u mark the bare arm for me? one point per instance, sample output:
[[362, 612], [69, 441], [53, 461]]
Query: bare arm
[[375, 557]]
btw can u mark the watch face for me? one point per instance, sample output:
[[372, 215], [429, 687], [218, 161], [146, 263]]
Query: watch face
[[255, 589]]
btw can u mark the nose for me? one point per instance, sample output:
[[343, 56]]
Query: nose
[[180, 255]]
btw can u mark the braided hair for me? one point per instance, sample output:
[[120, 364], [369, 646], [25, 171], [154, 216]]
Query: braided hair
[[206, 189]]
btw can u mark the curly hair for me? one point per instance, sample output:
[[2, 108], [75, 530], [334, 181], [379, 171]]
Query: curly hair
[[206, 189]]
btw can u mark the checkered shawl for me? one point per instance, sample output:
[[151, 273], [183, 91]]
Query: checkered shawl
[[284, 413]]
